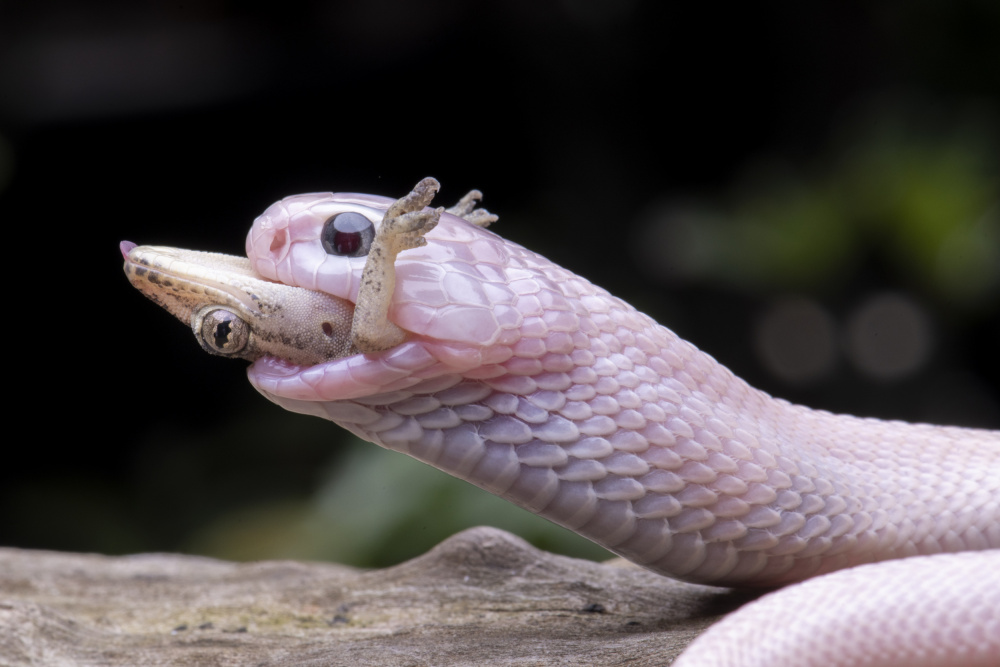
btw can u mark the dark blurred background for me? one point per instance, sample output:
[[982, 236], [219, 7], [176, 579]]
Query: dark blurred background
[[808, 191]]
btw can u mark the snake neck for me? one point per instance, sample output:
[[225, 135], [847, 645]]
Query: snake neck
[[634, 438]]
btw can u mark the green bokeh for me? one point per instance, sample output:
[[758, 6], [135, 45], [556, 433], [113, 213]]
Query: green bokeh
[[923, 194]]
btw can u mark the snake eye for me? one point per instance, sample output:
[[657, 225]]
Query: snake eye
[[223, 332], [348, 235]]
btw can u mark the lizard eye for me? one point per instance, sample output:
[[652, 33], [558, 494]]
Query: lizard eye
[[223, 332], [348, 235]]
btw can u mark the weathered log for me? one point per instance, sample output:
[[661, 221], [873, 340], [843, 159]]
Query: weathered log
[[483, 596]]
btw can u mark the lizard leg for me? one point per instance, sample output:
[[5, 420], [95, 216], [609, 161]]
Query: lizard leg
[[403, 227], [466, 209]]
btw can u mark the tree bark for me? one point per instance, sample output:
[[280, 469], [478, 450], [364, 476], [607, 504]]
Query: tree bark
[[481, 597]]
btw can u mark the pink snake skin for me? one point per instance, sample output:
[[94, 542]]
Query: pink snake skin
[[540, 387]]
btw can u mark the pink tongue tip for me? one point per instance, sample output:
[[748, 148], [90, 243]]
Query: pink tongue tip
[[125, 247]]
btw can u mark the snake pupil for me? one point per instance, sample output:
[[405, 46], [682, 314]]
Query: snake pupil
[[348, 235]]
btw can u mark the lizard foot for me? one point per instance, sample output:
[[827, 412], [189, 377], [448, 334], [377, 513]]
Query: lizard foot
[[466, 209]]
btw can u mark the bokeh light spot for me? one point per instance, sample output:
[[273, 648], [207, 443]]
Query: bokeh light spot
[[889, 337], [796, 340]]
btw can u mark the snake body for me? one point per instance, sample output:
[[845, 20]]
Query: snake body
[[540, 387]]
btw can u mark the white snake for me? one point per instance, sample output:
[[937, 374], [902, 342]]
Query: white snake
[[538, 386]]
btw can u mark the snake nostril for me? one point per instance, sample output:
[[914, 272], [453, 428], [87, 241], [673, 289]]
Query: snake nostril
[[279, 240]]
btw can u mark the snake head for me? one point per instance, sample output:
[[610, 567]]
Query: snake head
[[319, 283]]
